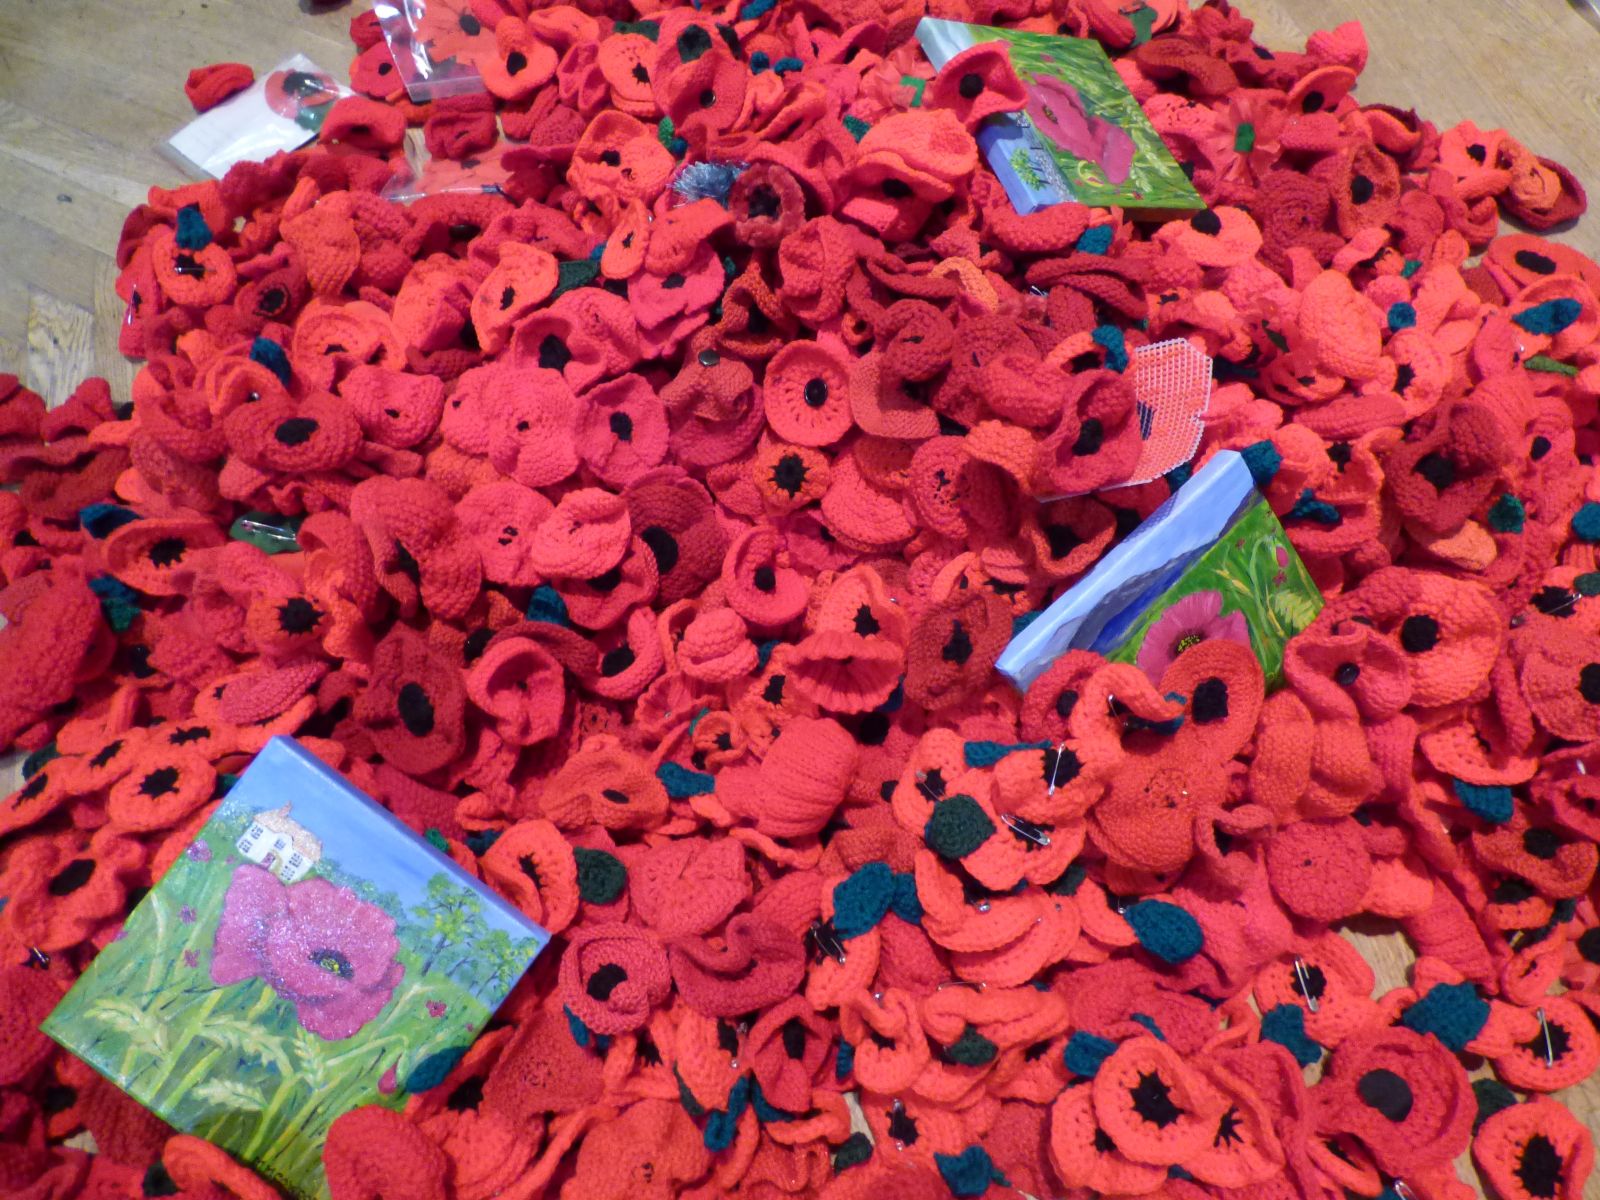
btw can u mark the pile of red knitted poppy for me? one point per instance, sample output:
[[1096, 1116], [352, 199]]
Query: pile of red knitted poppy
[[657, 524]]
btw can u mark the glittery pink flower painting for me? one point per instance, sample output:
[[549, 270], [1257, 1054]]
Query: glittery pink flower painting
[[1194, 619], [319, 946], [1057, 111]]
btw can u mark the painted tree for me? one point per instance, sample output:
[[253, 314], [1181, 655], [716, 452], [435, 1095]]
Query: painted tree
[[452, 916], [499, 960]]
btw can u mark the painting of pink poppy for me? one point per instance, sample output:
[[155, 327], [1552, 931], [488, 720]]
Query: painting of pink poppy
[[1058, 112], [319, 946], [1196, 618]]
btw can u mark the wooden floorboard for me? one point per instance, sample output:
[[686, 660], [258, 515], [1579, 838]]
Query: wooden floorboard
[[89, 87]]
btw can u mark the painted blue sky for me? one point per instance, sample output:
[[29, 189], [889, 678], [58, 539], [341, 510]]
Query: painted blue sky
[[362, 836]]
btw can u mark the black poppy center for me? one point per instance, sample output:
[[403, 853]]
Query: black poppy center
[[773, 693], [1360, 189], [789, 474], [971, 86], [1543, 844], [1540, 1166], [1207, 222], [1066, 702], [1539, 264], [1437, 470], [673, 282], [106, 754], [622, 425], [271, 302], [1062, 540], [469, 24], [553, 353], [1589, 944], [1090, 436], [640, 75], [297, 615], [467, 1094], [616, 661], [476, 643], [1560, 1042], [1403, 376], [1385, 1091], [794, 1038], [516, 62], [1311, 102], [167, 551], [1589, 683], [1346, 674], [1419, 634], [896, 189], [958, 648], [296, 431], [902, 1128], [663, 545], [1555, 602], [1210, 701], [765, 579], [607, 582], [873, 729], [763, 202], [604, 981], [159, 782], [71, 877], [1152, 1100], [866, 623], [692, 43], [1539, 448], [1315, 981], [611, 158], [416, 710], [816, 393]]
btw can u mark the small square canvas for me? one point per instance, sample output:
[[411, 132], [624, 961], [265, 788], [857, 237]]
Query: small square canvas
[[1212, 562], [307, 954], [1082, 137]]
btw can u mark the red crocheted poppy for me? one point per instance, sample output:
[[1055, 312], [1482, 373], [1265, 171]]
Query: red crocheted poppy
[[1545, 857], [417, 545], [520, 685], [1569, 1057], [1403, 1094], [500, 520], [1534, 1149], [162, 787], [976, 84], [622, 430], [715, 410], [672, 515], [1450, 473], [612, 975], [197, 276], [1340, 665], [373, 1151], [758, 584], [532, 863], [806, 394], [1085, 1155], [601, 601], [520, 63], [65, 887], [767, 205], [861, 514], [586, 535], [413, 705], [620, 157], [788, 476], [605, 784], [160, 555], [1448, 630], [954, 645], [842, 671], [519, 283], [788, 1049], [888, 405], [1096, 443], [754, 964]]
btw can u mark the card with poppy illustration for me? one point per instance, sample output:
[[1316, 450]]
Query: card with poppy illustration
[[1212, 562], [432, 44], [1082, 136], [306, 955], [282, 111]]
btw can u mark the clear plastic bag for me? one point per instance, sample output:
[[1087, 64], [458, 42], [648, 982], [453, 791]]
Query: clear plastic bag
[[281, 111], [431, 42], [424, 175]]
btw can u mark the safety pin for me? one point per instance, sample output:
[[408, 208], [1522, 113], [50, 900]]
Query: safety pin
[[1549, 1050], [1582, 770], [1305, 984], [1055, 770], [1401, 1190], [924, 787], [1026, 829], [39, 957], [826, 942]]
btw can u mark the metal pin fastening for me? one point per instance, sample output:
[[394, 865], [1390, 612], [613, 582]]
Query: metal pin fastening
[[1582, 770], [1401, 1190], [1025, 829], [826, 942], [1549, 1050], [1055, 770], [39, 957], [924, 787], [1305, 984]]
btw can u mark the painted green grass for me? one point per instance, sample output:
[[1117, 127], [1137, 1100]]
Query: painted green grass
[[1243, 566], [233, 1064], [1155, 181]]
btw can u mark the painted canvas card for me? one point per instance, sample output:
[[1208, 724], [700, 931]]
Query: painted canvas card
[[1082, 137], [305, 955], [1212, 562]]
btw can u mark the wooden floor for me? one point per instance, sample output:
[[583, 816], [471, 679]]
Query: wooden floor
[[89, 87]]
